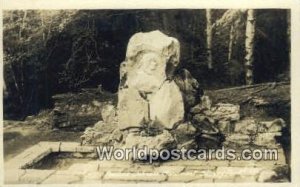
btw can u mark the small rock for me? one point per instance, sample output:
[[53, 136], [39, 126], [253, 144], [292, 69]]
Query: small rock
[[258, 101], [184, 132], [205, 105], [96, 103], [191, 144], [241, 139], [272, 126], [116, 135], [98, 126], [266, 176], [205, 102], [77, 155], [29, 118], [159, 142], [225, 127], [205, 124], [266, 139], [108, 113], [186, 128], [226, 111], [246, 126], [199, 118], [196, 109]]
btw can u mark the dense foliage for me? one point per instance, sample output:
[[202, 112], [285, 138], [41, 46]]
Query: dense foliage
[[50, 52]]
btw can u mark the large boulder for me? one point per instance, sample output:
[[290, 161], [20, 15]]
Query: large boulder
[[151, 58], [132, 108], [166, 105], [146, 90]]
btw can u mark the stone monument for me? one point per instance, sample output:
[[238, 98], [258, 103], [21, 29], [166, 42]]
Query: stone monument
[[154, 95], [147, 91]]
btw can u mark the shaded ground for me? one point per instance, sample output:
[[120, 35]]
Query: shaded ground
[[19, 136]]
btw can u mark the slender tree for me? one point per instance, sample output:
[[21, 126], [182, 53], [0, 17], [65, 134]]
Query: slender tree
[[233, 21], [209, 38], [22, 27], [288, 20], [230, 45], [249, 46]]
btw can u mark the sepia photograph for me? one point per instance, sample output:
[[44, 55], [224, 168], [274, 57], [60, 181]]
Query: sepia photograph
[[102, 96]]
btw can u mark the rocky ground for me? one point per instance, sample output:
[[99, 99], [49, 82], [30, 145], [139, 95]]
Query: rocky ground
[[263, 103]]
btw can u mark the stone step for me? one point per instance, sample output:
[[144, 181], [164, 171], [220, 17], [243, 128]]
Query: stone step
[[140, 177]]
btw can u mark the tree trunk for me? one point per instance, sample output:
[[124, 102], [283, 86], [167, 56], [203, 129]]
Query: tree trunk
[[164, 22], [288, 17], [230, 46], [249, 46], [49, 28], [209, 38], [16, 84], [11, 16], [192, 48], [23, 24], [43, 27]]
